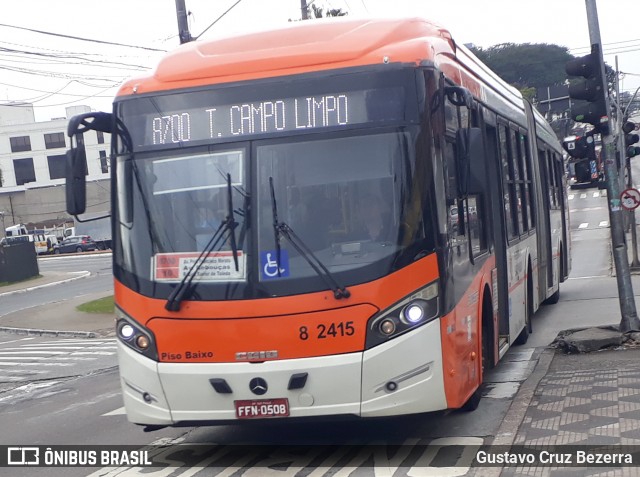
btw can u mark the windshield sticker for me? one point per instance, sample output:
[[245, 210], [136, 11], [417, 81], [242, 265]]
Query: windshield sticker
[[269, 266], [216, 267]]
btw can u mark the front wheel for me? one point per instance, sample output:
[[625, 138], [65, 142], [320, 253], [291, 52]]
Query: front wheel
[[56, 251], [78, 249]]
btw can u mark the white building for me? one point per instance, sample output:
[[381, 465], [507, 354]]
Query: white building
[[32, 154]]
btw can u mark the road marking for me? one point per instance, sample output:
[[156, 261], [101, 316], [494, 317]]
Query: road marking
[[583, 225], [583, 196], [604, 223], [39, 363], [596, 195], [571, 196], [116, 412]]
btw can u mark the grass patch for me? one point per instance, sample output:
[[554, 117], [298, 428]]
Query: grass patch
[[101, 305]]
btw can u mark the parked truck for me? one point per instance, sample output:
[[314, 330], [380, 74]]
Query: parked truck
[[99, 229]]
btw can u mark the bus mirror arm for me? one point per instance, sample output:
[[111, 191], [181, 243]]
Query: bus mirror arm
[[459, 96], [96, 121]]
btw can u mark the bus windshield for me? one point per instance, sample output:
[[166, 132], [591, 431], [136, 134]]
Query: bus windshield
[[342, 197], [356, 198]]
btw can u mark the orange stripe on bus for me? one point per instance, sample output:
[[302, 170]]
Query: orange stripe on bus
[[273, 323]]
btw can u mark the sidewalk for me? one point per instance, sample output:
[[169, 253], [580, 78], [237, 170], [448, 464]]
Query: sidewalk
[[580, 400], [57, 319]]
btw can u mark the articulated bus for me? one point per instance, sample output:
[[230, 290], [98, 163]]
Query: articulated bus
[[341, 218]]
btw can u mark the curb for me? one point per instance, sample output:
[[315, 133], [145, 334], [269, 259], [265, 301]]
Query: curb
[[84, 274], [506, 434], [51, 333]]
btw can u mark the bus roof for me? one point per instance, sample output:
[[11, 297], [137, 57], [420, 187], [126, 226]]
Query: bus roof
[[323, 44], [297, 48]]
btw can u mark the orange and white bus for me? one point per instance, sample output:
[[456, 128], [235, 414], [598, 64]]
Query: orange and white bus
[[343, 217]]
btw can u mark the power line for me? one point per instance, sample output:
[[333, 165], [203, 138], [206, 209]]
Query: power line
[[60, 35], [58, 92], [217, 19], [65, 59], [605, 44]]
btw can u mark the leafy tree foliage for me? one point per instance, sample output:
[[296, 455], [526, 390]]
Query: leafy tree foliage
[[319, 12], [527, 65]]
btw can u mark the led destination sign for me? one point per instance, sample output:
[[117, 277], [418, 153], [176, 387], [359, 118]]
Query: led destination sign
[[212, 122]]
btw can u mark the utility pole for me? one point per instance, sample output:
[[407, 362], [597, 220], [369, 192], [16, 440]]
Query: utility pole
[[304, 9], [629, 320], [183, 23]]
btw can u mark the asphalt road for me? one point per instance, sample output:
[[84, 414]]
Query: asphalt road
[[101, 279]]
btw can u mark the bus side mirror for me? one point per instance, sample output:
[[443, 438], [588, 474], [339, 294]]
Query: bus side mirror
[[471, 163], [76, 163], [76, 172]]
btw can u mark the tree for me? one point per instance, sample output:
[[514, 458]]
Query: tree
[[313, 11], [318, 12], [527, 65]]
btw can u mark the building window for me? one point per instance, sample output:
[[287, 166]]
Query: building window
[[100, 135], [54, 140], [24, 170], [20, 143], [57, 166], [104, 164]]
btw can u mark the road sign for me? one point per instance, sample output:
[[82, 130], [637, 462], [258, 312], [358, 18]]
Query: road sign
[[630, 198]]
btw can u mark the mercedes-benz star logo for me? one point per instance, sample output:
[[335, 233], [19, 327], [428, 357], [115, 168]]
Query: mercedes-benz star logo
[[258, 386]]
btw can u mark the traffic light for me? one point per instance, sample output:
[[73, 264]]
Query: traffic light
[[591, 92], [580, 147], [631, 138]]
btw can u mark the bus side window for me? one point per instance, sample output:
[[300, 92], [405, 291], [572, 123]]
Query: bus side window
[[509, 217]]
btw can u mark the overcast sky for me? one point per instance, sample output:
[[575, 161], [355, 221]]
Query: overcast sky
[[53, 72]]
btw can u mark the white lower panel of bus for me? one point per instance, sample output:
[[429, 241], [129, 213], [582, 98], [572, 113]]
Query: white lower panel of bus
[[400, 377]]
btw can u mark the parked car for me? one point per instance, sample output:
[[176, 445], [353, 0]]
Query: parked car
[[79, 243]]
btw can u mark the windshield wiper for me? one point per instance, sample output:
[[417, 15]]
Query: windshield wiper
[[283, 229], [215, 242]]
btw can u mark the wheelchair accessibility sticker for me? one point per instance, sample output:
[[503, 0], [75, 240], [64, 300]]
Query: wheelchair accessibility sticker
[[269, 266]]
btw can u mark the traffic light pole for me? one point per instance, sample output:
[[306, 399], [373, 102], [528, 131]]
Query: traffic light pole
[[629, 320], [625, 163]]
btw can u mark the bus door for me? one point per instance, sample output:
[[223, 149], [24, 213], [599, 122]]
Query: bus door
[[498, 237]]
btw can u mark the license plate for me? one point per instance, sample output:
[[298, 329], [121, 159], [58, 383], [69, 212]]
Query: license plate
[[261, 408]]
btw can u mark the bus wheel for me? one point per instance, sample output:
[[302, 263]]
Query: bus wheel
[[473, 402]]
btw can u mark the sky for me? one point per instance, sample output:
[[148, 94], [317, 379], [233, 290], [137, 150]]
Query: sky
[[53, 72]]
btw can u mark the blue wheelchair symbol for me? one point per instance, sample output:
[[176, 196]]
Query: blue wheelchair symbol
[[269, 265]]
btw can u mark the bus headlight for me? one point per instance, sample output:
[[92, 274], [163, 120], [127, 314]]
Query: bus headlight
[[135, 336], [415, 310]]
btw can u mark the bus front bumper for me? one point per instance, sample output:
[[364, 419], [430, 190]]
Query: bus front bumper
[[403, 376]]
